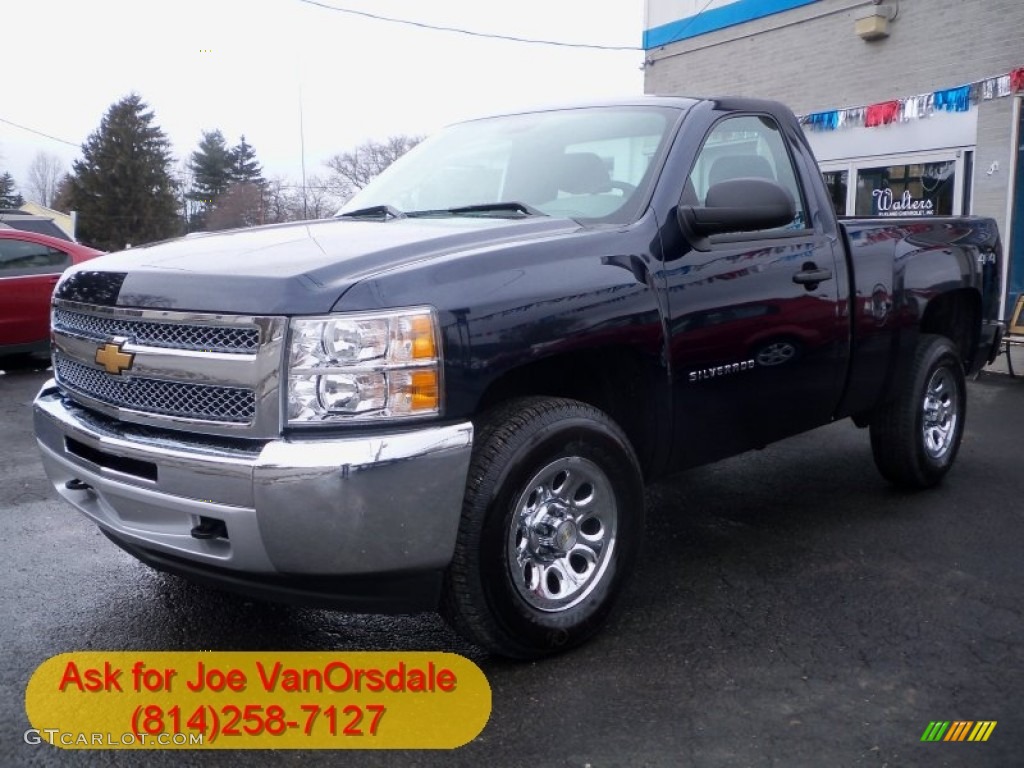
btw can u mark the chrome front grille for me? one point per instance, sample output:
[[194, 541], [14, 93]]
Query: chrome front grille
[[189, 401], [207, 373], [203, 338]]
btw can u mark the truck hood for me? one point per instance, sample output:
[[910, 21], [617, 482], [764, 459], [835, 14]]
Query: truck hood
[[300, 268]]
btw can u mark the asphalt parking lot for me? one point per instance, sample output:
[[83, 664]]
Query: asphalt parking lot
[[790, 609]]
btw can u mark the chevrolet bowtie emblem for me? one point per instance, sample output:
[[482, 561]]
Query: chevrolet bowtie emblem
[[113, 359]]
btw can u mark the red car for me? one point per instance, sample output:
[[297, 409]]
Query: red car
[[30, 265]]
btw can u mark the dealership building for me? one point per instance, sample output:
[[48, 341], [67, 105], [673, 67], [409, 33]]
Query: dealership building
[[912, 107]]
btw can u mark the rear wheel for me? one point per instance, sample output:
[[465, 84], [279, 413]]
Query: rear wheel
[[916, 437], [551, 524]]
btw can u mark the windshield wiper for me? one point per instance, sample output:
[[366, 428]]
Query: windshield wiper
[[512, 206], [512, 209], [382, 212]]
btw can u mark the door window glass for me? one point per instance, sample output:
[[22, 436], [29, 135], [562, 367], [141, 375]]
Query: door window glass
[[21, 257], [744, 147]]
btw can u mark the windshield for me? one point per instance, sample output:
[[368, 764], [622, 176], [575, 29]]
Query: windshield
[[591, 163]]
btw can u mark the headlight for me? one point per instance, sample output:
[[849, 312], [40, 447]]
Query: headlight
[[364, 366]]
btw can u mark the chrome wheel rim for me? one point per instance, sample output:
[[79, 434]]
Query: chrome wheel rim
[[562, 535], [940, 413]]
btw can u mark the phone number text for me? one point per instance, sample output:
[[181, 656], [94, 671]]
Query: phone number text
[[231, 721]]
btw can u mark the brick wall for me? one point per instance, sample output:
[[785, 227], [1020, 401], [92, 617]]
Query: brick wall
[[811, 59]]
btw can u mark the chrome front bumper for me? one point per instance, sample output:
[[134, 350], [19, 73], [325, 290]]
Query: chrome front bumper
[[358, 505]]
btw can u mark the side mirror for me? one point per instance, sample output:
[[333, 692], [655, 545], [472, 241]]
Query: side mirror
[[739, 205]]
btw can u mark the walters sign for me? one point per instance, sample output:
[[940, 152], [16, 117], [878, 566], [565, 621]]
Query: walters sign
[[888, 204]]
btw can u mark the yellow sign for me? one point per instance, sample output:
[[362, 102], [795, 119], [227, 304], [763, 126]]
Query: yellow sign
[[247, 700]]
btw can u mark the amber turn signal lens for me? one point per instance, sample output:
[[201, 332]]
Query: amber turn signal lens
[[423, 346], [424, 391]]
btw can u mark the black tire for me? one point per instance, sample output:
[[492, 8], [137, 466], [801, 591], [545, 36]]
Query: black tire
[[915, 438], [551, 524]]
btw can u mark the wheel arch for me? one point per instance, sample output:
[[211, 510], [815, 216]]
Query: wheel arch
[[619, 381], [957, 316]]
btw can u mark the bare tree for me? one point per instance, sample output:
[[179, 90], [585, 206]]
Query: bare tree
[[320, 199], [191, 209], [44, 176], [351, 171], [282, 200], [278, 201], [241, 205]]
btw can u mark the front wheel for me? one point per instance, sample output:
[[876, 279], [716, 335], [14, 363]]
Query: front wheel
[[551, 523], [916, 437]]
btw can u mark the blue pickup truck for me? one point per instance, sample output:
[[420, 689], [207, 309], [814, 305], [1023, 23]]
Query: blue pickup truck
[[450, 396]]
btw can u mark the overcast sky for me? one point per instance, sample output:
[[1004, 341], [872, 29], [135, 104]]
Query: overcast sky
[[239, 65]]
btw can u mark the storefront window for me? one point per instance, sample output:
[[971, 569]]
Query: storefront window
[[837, 181], [921, 189]]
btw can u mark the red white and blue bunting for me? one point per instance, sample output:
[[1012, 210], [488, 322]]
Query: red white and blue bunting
[[959, 99]]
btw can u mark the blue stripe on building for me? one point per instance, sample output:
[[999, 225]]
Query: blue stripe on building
[[717, 18]]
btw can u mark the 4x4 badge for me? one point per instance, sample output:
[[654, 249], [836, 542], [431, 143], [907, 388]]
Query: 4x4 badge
[[113, 359]]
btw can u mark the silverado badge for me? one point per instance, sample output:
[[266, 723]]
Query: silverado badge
[[113, 359]]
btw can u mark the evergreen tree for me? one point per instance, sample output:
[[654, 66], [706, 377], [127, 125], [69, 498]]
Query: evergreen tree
[[62, 195], [122, 186], [9, 197], [211, 167], [244, 166]]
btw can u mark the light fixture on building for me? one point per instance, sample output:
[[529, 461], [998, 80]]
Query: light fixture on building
[[873, 21]]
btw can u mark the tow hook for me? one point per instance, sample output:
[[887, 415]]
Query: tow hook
[[210, 528], [77, 485]]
